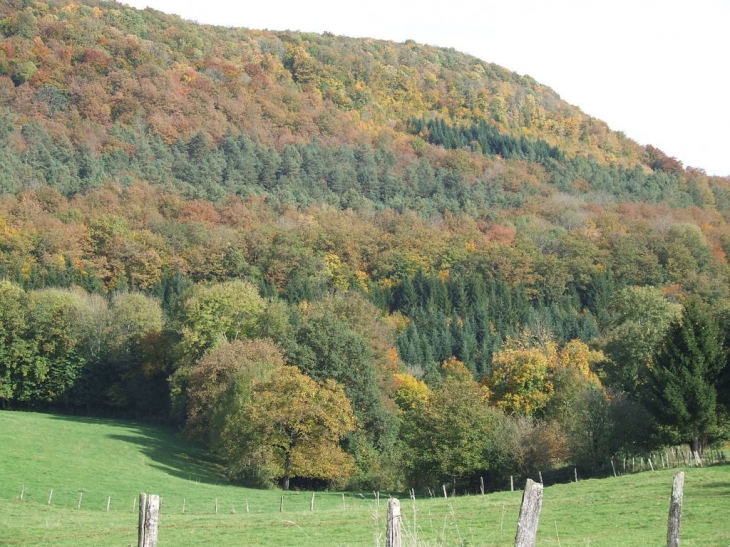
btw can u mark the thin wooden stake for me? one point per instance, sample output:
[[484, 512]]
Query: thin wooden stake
[[445, 495], [311, 503], [539, 473], [393, 525], [529, 515], [281, 505], [22, 491], [675, 510], [575, 473], [108, 503], [50, 496], [216, 506], [343, 502], [246, 506], [183, 506], [81, 495], [481, 484], [511, 483], [614, 468]]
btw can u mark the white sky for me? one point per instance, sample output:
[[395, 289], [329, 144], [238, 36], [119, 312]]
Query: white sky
[[658, 70]]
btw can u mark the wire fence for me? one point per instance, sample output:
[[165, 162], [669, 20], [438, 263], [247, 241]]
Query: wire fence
[[428, 520]]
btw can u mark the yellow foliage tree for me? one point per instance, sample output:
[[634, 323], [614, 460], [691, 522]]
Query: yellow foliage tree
[[410, 392], [520, 379], [291, 426], [527, 378]]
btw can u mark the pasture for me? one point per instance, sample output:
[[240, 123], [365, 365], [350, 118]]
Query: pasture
[[92, 470]]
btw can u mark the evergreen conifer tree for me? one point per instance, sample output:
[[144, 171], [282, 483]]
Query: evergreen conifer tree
[[682, 381]]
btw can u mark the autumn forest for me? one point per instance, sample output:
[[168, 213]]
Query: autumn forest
[[343, 262]]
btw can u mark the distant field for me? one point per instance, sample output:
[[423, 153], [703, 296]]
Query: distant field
[[96, 459]]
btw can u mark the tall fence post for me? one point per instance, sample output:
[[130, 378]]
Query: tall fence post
[[392, 530], [149, 518], [675, 510], [529, 515]]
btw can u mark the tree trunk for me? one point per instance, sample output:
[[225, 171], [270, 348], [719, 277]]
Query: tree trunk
[[287, 472]]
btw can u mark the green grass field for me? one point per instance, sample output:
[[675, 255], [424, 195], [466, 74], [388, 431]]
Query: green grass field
[[111, 461]]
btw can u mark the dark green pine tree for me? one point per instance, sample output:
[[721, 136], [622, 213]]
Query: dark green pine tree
[[682, 383]]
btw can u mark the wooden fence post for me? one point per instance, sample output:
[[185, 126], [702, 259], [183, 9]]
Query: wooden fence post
[[149, 518], [675, 510], [392, 530], [529, 515]]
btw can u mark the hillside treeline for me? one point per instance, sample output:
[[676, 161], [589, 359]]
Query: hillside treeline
[[533, 342], [345, 262]]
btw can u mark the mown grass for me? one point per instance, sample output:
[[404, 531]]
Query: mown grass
[[96, 459]]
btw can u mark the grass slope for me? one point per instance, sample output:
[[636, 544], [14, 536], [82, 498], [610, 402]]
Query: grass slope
[[96, 459]]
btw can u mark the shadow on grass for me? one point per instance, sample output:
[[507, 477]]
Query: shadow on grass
[[165, 449], [718, 487]]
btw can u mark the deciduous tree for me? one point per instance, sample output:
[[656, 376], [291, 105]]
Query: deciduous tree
[[290, 427]]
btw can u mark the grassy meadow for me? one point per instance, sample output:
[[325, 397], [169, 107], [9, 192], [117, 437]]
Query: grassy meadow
[[100, 462]]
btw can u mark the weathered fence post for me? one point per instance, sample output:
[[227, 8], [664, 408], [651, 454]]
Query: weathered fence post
[[481, 485], [149, 518], [392, 530], [675, 510], [311, 503], [529, 515]]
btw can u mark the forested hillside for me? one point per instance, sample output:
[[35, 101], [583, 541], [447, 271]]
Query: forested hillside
[[311, 248]]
